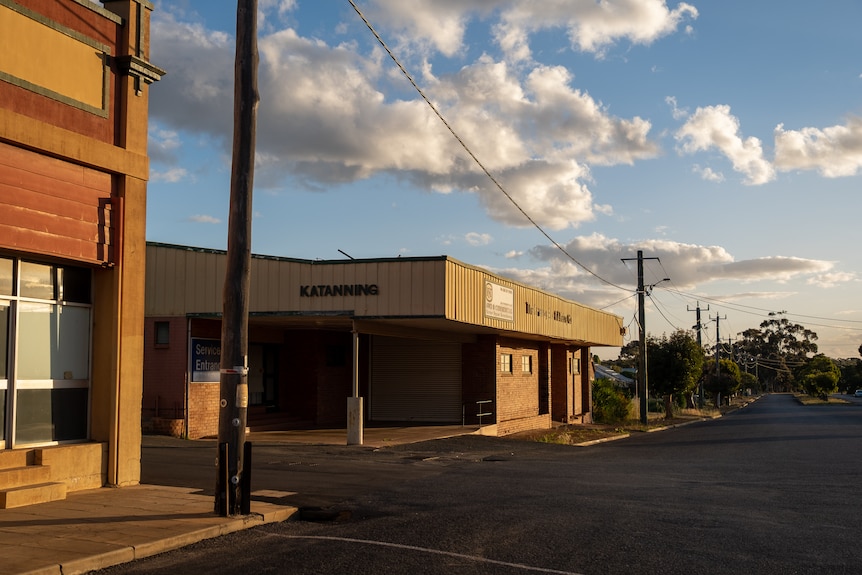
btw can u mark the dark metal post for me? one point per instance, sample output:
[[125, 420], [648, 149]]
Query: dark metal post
[[245, 482]]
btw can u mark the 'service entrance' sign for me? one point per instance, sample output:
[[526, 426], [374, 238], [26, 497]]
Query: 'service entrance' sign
[[206, 359]]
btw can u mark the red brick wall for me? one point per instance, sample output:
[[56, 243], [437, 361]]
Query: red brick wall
[[203, 409], [517, 392], [165, 370]]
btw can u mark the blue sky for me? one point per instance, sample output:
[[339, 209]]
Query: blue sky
[[724, 138]]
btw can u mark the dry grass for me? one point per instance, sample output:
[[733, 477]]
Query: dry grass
[[595, 432], [808, 400]]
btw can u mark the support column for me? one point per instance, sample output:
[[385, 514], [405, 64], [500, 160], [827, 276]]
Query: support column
[[355, 412]]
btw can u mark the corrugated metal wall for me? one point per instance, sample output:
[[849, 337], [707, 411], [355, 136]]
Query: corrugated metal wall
[[587, 325], [185, 280], [182, 281], [415, 380]]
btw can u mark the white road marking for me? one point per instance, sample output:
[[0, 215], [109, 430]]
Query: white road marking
[[432, 551]]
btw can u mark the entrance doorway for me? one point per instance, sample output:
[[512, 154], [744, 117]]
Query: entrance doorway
[[263, 375]]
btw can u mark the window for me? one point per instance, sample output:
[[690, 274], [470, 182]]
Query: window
[[45, 339], [506, 363], [527, 364], [575, 366], [7, 280], [163, 333]]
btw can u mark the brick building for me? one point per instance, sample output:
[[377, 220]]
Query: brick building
[[425, 340], [74, 81]]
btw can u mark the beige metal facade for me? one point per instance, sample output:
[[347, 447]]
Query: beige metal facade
[[426, 339], [433, 293]]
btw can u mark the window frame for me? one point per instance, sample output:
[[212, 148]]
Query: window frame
[[161, 328], [506, 363]]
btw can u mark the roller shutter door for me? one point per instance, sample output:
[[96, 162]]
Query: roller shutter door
[[415, 380]]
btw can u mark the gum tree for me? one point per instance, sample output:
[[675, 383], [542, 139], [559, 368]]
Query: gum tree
[[820, 377], [674, 365]]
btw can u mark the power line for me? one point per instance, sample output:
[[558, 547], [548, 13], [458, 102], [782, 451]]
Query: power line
[[760, 311], [473, 156], [628, 297], [661, 313]]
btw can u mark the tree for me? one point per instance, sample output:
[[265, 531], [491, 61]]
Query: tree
[[726, 382], [780, 347], [674, 365], [748, 381], [820, 377], [610, 405]]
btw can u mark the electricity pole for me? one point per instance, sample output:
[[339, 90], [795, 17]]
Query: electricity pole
[[698, 327], [231, 498], [717, 354], [642, 359]]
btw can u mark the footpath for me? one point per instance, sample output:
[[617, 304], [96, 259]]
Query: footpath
[[98, 528]]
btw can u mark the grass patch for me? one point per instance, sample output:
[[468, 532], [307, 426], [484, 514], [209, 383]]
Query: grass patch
[[809, 400], [583, 433]]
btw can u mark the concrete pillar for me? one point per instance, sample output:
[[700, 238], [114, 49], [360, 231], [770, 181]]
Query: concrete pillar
[[355, 421], [355, 415]]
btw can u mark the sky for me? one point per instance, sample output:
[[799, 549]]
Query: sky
[[723, 140]]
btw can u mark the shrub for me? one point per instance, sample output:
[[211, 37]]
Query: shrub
[[610, 405]]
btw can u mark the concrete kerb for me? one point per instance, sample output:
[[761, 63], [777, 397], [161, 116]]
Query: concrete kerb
[[602, 440], [104, 527], [663, 428]]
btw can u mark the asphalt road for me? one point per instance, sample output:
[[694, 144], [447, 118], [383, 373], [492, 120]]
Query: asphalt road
[[770, 489]]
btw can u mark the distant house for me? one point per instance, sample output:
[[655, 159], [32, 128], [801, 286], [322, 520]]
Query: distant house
[[607, 373]]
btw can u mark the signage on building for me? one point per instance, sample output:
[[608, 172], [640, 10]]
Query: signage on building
[[499, 302], [326, 290], [206, 359], [554, 315]]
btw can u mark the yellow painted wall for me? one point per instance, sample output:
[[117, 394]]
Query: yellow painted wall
[[52, 57]]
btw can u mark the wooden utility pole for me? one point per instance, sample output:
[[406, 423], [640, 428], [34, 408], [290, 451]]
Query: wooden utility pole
[[233, 396], [643, 386], [699, 327]]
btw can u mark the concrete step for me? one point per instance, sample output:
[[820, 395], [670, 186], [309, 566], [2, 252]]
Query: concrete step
[[26, 475], [32, 494], [12, 458]]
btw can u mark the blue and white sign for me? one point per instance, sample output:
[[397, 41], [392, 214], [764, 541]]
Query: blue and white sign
[[206, 359]]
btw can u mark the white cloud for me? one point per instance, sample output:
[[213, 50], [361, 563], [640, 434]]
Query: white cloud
[[438, 25], [829, 280], [677, 112], [708, 174], [591, 26], [835, 151], [513, 254], [714, 127], [204, 219], [170, 176], [324, 119], [477, 239], [163, 144], [687, 265]]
